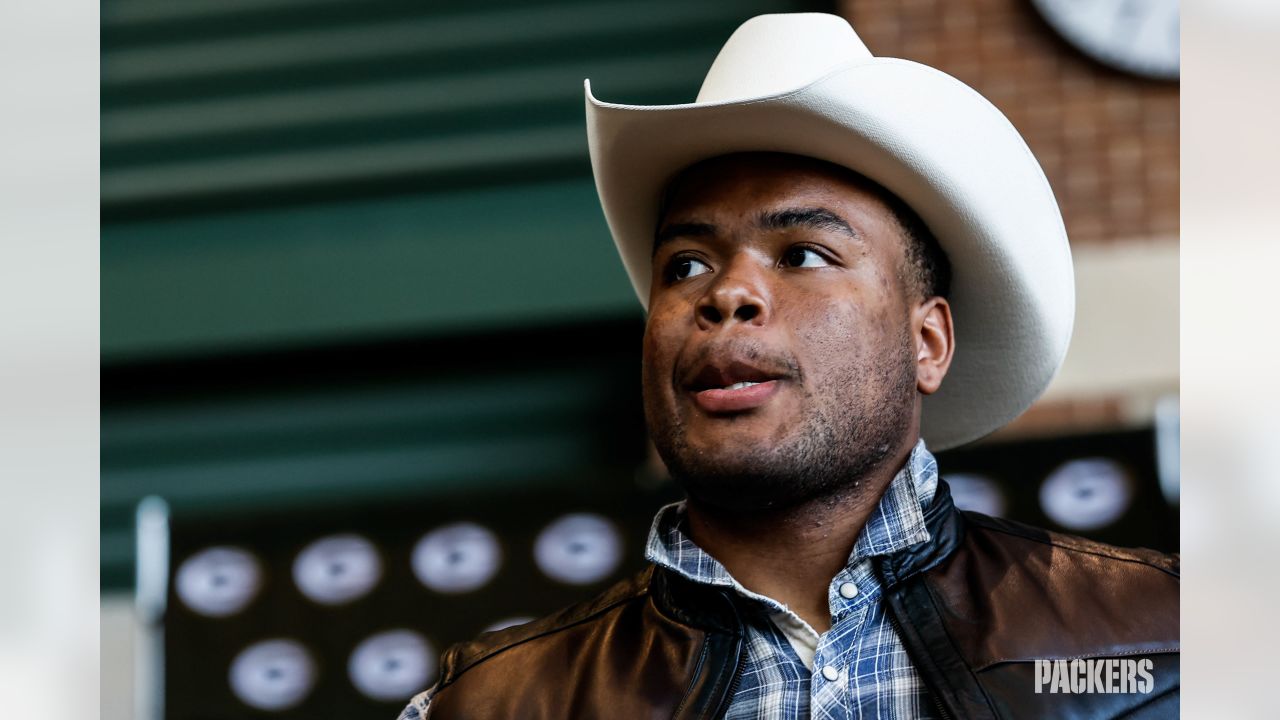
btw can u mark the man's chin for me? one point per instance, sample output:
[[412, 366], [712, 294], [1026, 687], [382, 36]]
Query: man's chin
[[739, 480], [731, 441], [740, 495]]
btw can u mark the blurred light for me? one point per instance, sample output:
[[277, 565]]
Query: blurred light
[[1169, 448], [337, 569], [151, 600], [392, 665], [457, 558], [578, 549], [505, 623], [273, 674], [978, 493], [219, 581], [1086, 494]]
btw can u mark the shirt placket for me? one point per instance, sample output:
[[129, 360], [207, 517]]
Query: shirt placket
[[832, 690]]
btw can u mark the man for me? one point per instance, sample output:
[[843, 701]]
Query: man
[[843, 258]]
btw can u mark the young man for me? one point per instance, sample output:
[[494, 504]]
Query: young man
[[843, 258]]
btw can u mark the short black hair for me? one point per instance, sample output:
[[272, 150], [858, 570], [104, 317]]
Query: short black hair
[[927, 266], [926, 270]]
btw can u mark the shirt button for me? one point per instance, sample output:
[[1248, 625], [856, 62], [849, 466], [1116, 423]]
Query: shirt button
[[848, 590], [830, 673]]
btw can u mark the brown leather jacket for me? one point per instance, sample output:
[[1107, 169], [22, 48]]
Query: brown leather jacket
[[975, 607]]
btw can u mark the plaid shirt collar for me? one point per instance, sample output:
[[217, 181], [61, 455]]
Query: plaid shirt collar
[[896, 523]]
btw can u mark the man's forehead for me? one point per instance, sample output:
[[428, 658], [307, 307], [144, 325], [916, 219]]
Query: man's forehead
[[745, 188], [753, 179]]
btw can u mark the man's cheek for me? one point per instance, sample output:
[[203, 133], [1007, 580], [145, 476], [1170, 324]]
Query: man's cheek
[[656, 372]]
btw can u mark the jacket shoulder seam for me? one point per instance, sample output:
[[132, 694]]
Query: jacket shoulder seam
[[643, 592], [1048, 538]]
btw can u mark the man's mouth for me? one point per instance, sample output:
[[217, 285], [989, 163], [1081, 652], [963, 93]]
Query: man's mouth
[[738, 397], [732, 387]]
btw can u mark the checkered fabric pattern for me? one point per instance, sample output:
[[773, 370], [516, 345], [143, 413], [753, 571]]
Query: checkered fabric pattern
[[417, 709], [857, 669]]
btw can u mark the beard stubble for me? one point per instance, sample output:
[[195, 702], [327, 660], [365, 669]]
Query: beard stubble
[[851, 426]]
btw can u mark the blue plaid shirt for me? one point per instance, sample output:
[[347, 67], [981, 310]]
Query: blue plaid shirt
[[857, 669]]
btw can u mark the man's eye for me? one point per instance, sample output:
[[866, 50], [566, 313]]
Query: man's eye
[[686, 267], [798, 257]]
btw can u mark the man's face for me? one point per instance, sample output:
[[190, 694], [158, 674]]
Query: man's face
[[779, 358]]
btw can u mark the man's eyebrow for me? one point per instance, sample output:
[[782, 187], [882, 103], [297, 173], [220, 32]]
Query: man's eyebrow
[[816, 218], [675, 230]]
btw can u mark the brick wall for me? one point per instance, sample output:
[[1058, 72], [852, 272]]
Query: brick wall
[[1108, 141]]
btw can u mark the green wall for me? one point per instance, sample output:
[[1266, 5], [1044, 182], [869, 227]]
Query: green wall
[[351, 250], [284, 172]]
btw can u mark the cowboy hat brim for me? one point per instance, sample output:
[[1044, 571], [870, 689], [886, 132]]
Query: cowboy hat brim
[[935, 143]]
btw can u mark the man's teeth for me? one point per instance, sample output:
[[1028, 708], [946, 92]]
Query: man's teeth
[[740, 385]]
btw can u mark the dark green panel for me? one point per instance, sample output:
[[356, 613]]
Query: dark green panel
[[300, 95], [294, 172], [341, 442], [368, 425], [358, 269]]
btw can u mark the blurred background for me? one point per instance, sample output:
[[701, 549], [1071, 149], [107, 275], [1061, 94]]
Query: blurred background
[[370, 364]]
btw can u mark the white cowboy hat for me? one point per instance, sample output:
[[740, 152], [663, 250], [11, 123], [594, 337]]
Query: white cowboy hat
[[806, 84]]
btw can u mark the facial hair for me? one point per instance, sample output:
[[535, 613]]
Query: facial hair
[[852, 425]]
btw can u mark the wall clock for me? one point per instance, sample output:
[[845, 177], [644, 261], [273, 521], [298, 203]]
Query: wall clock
[[1135, 36]]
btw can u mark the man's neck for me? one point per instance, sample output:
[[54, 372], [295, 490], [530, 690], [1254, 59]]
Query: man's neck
[[791, 555]]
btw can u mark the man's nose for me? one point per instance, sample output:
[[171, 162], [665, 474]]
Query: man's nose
[[740, 294]]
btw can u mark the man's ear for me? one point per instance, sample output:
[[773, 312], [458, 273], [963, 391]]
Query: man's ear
[[935, 342]]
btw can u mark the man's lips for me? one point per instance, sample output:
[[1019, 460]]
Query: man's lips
[[729, 386], [738, 397]]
